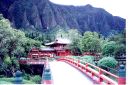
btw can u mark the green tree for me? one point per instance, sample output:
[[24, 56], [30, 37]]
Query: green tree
[[120, 40], [13, 44], [61, 34], [35, 35], [89, 59], [109, 48], [75, 48], [73, 34], [120, 49], [12, 41], [15, 63], [7, 60], [91, 42], [107, 62], [75, 38]]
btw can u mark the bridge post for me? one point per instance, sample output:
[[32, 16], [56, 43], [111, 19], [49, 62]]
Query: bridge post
[[47, 77], [86, 65], [122, 75], [73, 61], [18, 77], [64, 58], [100, 79], [92, 75], [78, 62]]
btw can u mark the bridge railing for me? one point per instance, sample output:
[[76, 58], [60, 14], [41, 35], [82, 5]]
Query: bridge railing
[[97, 74], [31, 61]]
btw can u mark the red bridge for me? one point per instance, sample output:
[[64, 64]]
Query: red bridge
[[69, 71]]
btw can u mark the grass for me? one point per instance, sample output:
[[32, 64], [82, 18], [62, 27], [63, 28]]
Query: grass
[[9, 81]]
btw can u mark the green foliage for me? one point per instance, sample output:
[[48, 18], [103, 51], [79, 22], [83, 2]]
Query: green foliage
[[89, 59], [61, 34], [15, 62], [76, 57], [75, 37], [91, 42], [109, 48], [9, 64], [120, 40], [5, 80], [75, 50], [7, 60], [26, 76], [36, 79], [107, 62], [52, 34], [3, 67], [120, 50], [13, 45], [35, 35], [12, 41]]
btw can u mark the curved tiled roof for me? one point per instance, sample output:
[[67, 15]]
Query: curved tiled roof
[[59, 41], [46, 49]]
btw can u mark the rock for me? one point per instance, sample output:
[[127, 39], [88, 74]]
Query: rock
[[43, 14]]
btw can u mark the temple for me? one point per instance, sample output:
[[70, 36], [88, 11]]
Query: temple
[[59, 47]]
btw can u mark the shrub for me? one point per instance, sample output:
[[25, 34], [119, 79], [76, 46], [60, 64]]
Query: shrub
[[120, 50], [7, 60], [15, 62], [10, 80], [26, 76], [36, 79], [109, 48], [107, 62], [89, 59]]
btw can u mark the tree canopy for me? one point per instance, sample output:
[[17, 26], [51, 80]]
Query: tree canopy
[[107, 62], [91, 42], [13, 44]]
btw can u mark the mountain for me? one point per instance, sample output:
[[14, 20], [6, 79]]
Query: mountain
[[43, 14]]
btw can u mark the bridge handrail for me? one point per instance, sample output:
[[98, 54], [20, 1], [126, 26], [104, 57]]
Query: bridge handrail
[[86, 67], [101, 69]]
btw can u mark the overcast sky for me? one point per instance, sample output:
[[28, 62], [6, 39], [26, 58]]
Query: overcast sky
[[115, 7]]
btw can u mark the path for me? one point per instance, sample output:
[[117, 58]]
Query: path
[[64, 74]]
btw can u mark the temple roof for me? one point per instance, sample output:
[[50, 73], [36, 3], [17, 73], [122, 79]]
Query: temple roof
[[59, 41], [46, 49]]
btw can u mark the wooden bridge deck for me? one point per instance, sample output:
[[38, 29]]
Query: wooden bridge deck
[[64, 74]]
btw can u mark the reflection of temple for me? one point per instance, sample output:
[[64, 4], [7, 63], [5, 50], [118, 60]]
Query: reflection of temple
[[59, 47]]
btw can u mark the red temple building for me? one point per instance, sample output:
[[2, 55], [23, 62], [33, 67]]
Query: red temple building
[[59, 47]]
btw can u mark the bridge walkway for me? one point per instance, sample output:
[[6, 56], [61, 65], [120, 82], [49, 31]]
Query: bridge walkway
[[64, 74]]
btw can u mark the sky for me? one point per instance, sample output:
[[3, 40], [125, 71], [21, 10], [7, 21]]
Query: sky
[[115, 7]]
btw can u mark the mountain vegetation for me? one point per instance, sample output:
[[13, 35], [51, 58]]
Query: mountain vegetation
[[43, 15]]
